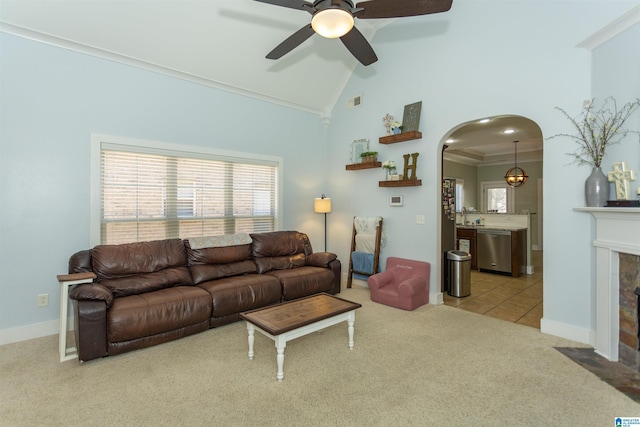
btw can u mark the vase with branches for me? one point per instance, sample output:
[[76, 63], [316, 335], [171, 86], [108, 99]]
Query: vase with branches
[[597, 128]]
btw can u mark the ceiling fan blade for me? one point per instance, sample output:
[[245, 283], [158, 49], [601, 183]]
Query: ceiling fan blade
[[292, 4], [374, 9], [359, 47], [291, 42]]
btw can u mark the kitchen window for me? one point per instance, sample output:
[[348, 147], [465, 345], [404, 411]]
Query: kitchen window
[[459, 194], [497, 196], [150, 191]]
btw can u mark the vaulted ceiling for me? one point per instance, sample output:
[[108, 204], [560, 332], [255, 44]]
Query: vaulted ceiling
[[223, 43]]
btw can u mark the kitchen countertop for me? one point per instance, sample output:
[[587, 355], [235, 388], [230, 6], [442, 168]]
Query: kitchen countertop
[[490, 228]]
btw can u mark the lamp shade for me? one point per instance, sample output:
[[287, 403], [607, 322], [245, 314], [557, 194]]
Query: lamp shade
[[516, 176], [322, 205], [332, 22]]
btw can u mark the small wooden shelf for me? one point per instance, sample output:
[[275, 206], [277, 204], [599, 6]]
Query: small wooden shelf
[[358, 166], [401, 137], [401, 183]]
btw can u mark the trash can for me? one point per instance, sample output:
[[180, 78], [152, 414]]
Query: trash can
[[459, 273]]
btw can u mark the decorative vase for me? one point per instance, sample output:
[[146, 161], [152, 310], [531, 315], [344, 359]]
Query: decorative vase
[[596, 189], [390, 173], [396, 131]]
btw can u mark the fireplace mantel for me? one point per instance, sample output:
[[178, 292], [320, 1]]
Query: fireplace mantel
[[617, 231]]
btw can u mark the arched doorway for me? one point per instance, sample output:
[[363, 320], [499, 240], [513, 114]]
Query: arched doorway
[[475, 158]]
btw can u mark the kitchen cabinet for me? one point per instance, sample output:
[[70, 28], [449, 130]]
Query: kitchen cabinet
[[469, 234]]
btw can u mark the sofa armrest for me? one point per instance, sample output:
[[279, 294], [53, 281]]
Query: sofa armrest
[[92, 292], [320, 259], [91, 329], [336, 267], [410, 286], [380, 280]]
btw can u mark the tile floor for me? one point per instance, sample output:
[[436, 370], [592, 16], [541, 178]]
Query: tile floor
[[517, 300]]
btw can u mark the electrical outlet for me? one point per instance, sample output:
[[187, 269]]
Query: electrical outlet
[[419, 219], [43, 300]]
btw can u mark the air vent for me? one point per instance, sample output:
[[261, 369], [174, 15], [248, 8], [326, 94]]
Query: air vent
[[354, 102]]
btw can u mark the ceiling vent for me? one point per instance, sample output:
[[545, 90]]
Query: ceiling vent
[[354, 102]]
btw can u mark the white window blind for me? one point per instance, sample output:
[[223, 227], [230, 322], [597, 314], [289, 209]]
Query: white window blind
[[151, 194]]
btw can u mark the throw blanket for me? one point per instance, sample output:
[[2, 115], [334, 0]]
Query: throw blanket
[[366, 228], [363, 263], [220, 241]]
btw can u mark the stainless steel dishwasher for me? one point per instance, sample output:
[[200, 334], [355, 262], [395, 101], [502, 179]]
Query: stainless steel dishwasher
[[494, 250]]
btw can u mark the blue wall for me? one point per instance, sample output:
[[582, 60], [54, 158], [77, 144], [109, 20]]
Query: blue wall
[[53, 99], [483, 58]]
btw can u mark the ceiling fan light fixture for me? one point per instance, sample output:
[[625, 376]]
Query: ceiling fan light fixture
[[332, 22]]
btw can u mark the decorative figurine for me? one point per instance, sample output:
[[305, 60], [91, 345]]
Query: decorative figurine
[[622, 177], [387, 120], [412, 168]]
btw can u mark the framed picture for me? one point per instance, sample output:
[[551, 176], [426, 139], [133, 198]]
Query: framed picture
[[358, 147], [411, 117], [395, 200]]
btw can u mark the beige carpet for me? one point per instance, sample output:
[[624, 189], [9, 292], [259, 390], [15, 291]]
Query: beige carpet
[[435, 366]]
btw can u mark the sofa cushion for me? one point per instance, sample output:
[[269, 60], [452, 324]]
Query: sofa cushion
[[153, 313], [265, 265], [280, 243], [135, 268], [303, 281], [321, 259], [141, 283], [280, 250], [214, 263], [241, 293]]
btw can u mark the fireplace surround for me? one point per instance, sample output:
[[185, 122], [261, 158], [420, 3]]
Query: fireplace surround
[[617, 232]]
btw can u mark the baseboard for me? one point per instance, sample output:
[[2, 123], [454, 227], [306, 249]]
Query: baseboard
[[570, 332], [29, 332], [437, 298]]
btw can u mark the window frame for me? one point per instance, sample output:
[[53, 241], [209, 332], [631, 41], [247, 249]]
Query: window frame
[[98, 141], [489, 185]]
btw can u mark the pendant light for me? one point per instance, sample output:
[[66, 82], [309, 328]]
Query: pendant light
[[516, 176]]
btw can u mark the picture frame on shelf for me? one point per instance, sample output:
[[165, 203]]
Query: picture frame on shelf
[[411, 117], [358, 147]]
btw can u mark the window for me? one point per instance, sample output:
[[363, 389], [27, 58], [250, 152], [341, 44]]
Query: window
[[498, 197], [151, 191]]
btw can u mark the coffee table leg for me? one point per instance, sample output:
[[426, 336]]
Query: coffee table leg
[[250, 330], [281, 343], [351, 321]]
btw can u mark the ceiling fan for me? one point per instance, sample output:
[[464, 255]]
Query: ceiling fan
[[335, 18]]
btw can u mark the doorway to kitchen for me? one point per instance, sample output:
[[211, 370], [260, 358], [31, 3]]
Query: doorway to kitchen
[[478, 154]]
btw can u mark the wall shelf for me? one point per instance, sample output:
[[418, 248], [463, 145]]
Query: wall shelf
[[401, 183], [401, 137], [358, 166]]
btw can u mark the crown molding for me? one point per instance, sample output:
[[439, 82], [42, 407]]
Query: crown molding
[[149, 66], [629, 19]]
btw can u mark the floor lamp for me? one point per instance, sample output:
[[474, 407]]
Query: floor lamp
[[323, 205]]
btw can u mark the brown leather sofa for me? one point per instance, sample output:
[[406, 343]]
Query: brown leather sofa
[[149, 293]]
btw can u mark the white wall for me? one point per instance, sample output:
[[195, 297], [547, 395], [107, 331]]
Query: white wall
[[53, 99], [482, 59]]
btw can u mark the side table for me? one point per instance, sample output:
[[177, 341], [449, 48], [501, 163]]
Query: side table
[[66, 281]]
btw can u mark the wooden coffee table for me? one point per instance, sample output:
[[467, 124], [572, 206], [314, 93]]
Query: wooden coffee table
[[293, 319]]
